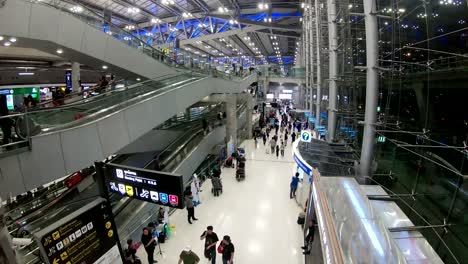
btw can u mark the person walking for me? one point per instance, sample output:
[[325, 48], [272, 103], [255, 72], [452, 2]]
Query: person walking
[[227, 249], [286, 138], [264, 138], [147, 240], [5, 123], [277, 151], [130, 252], [190, 207], [293, 137], [293, 185], [309, 238], [187, 256], [282, 149], [211, 238], [272, 145]]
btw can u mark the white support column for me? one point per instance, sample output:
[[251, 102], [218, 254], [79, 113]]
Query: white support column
[[231, 118], [249, 113], [76, 77], [372, 87], [319, 63], [333, 70]]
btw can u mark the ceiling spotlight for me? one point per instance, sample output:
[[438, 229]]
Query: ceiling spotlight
[[187, 15], [104, 67], [76, 9], [133, 10], [155, 21], [1, 38], [7, 44], [138, 79], [59, 51], [168, 2], [263, 6], [12, 39]]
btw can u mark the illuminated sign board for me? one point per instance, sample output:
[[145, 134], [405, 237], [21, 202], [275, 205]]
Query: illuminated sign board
[[146, 185], [68, 79], [84, 236]]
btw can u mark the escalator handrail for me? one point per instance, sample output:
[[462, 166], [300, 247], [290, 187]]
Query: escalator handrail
[[98, 97], [138, 100]]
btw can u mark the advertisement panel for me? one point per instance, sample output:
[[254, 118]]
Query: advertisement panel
[[85, 236], [146, 185]]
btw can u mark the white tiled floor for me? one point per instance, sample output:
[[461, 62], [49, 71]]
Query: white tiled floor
[[257, 213]]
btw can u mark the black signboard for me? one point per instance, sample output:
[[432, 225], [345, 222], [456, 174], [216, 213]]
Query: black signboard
[[147, 185], [86, 236]]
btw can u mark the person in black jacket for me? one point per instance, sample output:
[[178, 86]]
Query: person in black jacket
[[5, 123], [147, 240], [228, 250], [309, 238]]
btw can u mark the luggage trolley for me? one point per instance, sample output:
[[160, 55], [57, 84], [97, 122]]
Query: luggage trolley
[[240, 171]]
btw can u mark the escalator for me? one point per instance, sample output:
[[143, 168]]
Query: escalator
[[124, 209], [75, 114]]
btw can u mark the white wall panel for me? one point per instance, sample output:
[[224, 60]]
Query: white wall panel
[[14, 19], [94, 43], [44, 163], [139, 120], [113, 134], [11, 177], [43, 23], [70, 33], [81, 147]]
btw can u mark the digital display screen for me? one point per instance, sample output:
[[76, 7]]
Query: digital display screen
[[10, 102], [85, 236], [147, 185], [68, 79]]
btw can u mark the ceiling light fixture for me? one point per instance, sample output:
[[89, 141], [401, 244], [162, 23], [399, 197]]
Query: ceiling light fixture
[[105, 67], [59, 51], [168, 2], [12, 39], [1, 38], [133, 10], [76, 9], [25, 73], [7, 44], [263, 6]]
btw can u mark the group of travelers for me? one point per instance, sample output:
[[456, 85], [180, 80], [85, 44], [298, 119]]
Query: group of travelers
[[150, 238], [281, 131]]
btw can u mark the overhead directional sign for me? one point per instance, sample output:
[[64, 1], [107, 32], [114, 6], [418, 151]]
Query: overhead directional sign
[[147, 185], [84, 236], [306, 136]]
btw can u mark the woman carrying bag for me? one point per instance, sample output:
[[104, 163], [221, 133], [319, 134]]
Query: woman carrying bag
[[226, 248]]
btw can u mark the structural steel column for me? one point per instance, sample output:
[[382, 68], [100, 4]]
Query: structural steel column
[[307, 54], [310, 49], [76, 77], [231, 118], [319, 63], [372, 87], [333, 69]]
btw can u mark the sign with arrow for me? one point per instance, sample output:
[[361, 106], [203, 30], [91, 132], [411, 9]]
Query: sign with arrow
[[85, 235]]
